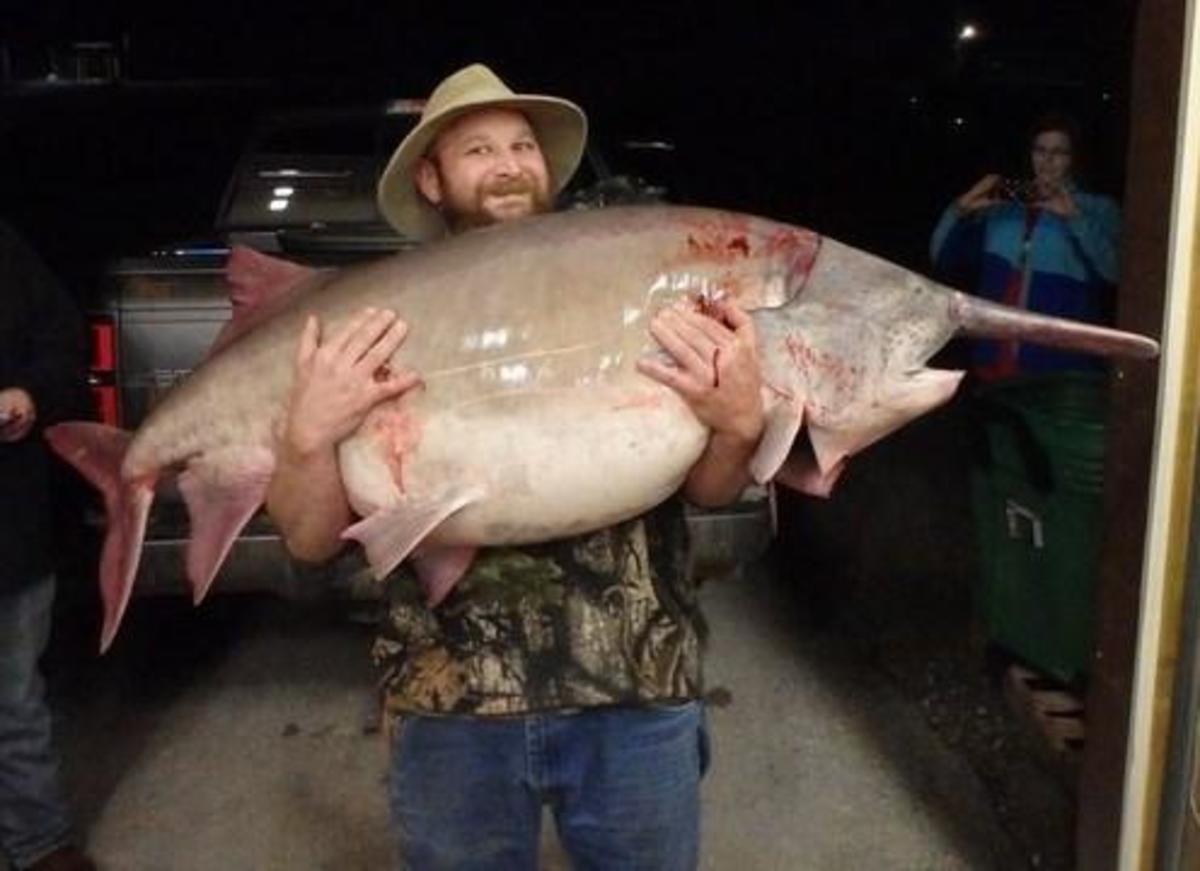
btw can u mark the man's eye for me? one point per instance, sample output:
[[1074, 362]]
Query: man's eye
[[478, 149], [525, 145]]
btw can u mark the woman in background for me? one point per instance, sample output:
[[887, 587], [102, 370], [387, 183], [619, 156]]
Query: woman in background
[[1044, 245]]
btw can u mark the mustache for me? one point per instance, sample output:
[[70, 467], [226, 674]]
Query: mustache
[[520, 184]]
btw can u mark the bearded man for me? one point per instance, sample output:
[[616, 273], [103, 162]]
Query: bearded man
[[565, 673]]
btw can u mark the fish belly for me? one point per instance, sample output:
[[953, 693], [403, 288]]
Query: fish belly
[[538, 465]]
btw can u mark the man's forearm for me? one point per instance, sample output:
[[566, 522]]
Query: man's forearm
[[307, 501], [721, 473]]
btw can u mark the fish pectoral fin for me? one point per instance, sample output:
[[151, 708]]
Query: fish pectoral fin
[[391, 533], [440, 568], [802, 473], [898, 402], [221, 492], [784, 416], [922, 390]]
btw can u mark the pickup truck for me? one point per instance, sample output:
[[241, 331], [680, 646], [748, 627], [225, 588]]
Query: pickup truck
[[304, 190]]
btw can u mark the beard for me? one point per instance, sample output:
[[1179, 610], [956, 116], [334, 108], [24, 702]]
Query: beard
[[471, 211]]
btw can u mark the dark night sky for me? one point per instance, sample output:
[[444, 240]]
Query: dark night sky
[[841, 118]]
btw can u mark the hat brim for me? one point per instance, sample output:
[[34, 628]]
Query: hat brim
[[561, 129]]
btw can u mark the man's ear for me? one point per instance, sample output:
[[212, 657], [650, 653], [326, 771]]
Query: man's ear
[[427, 180]]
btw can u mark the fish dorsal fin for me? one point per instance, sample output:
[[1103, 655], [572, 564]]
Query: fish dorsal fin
[[257, 283]]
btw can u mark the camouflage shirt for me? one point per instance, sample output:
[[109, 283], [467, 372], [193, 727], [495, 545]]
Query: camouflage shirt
[[600, 619]]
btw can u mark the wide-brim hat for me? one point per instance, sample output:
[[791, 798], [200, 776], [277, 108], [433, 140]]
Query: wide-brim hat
[[560, 126]]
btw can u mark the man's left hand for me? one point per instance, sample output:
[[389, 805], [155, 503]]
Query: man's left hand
[[716, 366], [17, 414]]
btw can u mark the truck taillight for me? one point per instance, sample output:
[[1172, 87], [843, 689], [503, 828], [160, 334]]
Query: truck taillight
[[102, 368], [104, 398], [104, 344]]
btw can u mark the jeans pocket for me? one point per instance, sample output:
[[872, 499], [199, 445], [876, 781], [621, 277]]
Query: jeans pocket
[[395, 724]]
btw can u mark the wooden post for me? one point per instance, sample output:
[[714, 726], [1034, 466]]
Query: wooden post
[[1150, 165]]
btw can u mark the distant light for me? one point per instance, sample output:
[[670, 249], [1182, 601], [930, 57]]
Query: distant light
[[284, 191], [959, 121], [278, 205], [912, 101], [1106, 96], [404, 107], [968, 32], [648, 145]]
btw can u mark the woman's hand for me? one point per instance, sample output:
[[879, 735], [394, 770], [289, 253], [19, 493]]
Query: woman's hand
[[980, 196], [17, 414], [1057, 199]]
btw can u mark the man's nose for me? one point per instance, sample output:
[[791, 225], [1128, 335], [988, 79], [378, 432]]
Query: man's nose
[[506, 163]]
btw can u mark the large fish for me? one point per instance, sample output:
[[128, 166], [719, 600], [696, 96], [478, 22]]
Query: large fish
[[533, 422]]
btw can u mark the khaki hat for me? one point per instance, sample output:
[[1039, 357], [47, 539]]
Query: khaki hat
[[560, 125]]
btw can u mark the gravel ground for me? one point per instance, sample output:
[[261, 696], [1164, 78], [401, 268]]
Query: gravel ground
[[889, 561]]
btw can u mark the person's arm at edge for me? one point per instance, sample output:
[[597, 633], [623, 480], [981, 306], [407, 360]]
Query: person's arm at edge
[[53, 377]]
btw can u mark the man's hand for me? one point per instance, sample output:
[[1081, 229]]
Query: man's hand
[[17, 414], [716, 366], [717, 372], [339, 379]]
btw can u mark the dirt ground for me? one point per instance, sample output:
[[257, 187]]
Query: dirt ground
[[889, 562]]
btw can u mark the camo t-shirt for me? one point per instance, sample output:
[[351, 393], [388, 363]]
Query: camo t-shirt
[[601, 619]]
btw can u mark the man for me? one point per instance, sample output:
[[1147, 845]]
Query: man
[[568, 672], [41, 357]]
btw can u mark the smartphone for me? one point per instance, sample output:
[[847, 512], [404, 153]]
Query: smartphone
[[1018, 190]]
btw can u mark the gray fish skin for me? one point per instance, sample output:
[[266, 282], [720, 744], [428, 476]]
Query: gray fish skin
[[533, 422]]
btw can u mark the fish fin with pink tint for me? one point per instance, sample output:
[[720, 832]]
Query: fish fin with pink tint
[[393, 532], [97, 451], [801, 472], [440, 568], [221, 492], [784, 416], [257, 284], [898, 402]]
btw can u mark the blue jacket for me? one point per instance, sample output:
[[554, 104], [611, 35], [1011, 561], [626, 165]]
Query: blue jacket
[[1068, 269]]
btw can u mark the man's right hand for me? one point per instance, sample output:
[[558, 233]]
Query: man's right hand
[[342, 376], [338, 379], [981, 196]]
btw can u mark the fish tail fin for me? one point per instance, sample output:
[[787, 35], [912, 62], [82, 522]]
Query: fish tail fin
[[97, 451]]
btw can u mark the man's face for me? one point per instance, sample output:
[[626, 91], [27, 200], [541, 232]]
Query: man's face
[[484, 168]]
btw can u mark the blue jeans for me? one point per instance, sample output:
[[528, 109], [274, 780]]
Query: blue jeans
[[34, 820], [623, 783]]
